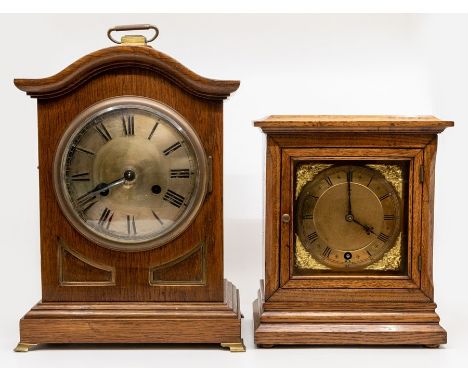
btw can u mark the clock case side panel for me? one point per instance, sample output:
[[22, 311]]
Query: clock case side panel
[[131, 269], [427, 218], [272, 221]]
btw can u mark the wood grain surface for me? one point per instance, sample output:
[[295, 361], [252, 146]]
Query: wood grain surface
[[48, 323], [352, 123], [126, 57], [352, 323]]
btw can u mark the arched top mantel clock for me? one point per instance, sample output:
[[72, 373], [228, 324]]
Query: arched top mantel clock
[[130, 180]]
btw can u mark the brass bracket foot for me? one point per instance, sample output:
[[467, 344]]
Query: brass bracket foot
[[23, 347], [234, 347]]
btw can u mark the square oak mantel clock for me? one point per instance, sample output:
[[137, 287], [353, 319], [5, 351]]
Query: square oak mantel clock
[[131, 215], [348, 231]]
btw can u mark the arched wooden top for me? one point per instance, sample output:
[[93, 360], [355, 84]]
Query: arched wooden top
[[111, 58]]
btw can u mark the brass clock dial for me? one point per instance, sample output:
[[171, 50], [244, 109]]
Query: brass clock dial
[[130, 173], [348, 216]]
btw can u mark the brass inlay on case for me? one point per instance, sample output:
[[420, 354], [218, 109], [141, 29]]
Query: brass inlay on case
[[107, 270], [198, 250]]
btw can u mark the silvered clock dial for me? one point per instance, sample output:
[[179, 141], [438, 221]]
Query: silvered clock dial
[[130, 173]]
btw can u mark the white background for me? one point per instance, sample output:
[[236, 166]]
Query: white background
[[287, 64]]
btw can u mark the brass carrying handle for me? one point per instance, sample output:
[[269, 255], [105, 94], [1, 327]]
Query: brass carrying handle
[[133, 27]]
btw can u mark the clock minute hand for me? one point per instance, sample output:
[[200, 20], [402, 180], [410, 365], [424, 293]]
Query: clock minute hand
[[111, 184], [348, 176]]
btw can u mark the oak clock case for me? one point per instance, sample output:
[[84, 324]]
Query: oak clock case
[[130, 183], [348, 231]]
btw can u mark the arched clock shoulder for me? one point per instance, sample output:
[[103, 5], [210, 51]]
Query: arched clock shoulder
[[131, 214]]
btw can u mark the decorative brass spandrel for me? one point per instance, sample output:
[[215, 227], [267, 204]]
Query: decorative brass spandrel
[[392, 173], [306, 172], [303, 259], [391, 261]]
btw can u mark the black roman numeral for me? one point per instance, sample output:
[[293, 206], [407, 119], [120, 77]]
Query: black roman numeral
[[389, 217], [328, 180], [172, 148], [174, 198], [370, 254], [307, 216], [312, 237], [382, 237], [370, 180], [131, 226], [384, 196], [153, 130], [349, 176], [106, 218], [180, 173], [103, 132], [129, 127], [157, 217], [83, 177], [326, 252]]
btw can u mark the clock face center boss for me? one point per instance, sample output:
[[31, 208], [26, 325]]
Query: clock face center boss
[[130, 172]]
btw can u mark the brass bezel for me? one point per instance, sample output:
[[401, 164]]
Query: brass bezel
[[173, 117]]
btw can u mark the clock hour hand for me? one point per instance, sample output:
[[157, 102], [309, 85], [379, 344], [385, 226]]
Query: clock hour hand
[[101, 187], [369, 230], [129, 175]]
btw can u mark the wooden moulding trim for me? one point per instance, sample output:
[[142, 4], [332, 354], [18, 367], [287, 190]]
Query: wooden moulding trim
[[351, 317], [349, 295], [117, 313], [347, 306], [351, 334], [168, 310], [418, 129], [280, 124], [130, 330], [120, 57]]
